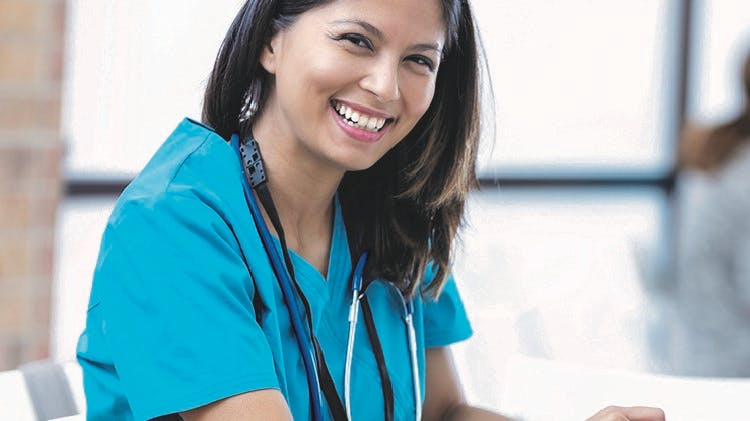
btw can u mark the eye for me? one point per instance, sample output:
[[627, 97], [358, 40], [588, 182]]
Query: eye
[[357, 39], [423, 61]]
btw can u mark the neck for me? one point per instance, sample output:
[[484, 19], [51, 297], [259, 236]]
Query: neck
[[303, 189]]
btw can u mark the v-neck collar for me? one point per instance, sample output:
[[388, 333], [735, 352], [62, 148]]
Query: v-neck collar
[[320, 290]]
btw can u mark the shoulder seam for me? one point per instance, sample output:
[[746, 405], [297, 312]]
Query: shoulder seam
[[179, 168]]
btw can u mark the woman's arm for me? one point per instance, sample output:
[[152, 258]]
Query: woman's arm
[[266, 404], [444, 398]]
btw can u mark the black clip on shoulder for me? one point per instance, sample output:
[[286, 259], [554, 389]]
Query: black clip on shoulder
[[252, 162]]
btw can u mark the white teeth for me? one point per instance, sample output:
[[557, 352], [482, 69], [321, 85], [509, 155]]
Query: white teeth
[[355, 119]]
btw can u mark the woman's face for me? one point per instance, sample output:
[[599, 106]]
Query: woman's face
[[353, 77]]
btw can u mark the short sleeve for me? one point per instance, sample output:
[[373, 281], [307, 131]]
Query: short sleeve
[[177, 306], [445, 319]]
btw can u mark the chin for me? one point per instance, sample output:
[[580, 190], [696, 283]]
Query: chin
[[356, 164], [364, 166]]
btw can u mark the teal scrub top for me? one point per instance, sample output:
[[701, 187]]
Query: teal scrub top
[[185, 309]]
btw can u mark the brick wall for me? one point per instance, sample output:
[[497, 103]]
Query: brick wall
[[31, 46]]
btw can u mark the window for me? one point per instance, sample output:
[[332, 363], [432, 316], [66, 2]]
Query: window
[[582, 87], [587, 109], [134, 69]]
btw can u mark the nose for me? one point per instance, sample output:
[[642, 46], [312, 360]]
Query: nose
[[381, 80]]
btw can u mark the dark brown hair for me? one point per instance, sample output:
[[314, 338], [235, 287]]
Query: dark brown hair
[[406, 209], [722, 142]]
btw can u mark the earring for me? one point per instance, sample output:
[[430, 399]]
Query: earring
[[252, 101]]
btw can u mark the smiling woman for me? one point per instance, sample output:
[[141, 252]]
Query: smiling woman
[[328, 178], [368, 62], [376, 60]]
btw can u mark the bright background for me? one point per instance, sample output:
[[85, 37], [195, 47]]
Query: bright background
[[584, 89]]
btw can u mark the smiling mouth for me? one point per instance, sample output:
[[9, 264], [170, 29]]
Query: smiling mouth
[[359, 120]]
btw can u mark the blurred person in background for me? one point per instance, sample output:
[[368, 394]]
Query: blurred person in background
[[713, 248]]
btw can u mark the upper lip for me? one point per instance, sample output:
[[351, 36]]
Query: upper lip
[[365, 110]]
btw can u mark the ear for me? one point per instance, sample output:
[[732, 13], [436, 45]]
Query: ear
[[270, 55]]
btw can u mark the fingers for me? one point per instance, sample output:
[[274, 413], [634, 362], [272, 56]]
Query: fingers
[[644, 413], [633, 413]]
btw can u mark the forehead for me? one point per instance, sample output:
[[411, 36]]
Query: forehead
[[411, 21]]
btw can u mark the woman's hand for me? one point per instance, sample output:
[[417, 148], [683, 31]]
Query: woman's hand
[[633, 413]]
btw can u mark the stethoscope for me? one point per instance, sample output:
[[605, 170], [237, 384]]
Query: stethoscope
[[319, 379]]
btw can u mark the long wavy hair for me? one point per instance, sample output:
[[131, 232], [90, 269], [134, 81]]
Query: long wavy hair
[[407, 208]]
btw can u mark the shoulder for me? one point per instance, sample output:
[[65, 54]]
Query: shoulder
[[739, 166], [445, 318], [193, 169], [183, 217]]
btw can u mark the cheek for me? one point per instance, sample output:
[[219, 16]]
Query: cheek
[[324, 72], [420, 96], [309, 79]]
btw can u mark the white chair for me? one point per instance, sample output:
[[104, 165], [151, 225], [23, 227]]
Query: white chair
[[538, 389], [74, 374], [15, 403], [42, 390]]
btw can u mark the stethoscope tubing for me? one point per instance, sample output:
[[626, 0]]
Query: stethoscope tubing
[[282, 275], [409, 319], [306, 349], [408, 311], [353, 317]]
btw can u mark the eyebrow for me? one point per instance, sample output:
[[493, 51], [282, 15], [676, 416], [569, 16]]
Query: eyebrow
[[378, 34]]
